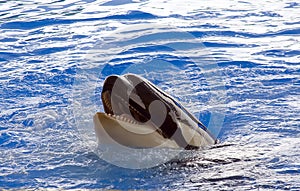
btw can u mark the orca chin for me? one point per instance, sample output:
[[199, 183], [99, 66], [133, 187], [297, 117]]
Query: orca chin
[[138, 114]]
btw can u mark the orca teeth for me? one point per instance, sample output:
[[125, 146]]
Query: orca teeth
[[106, 101], [121, 118]]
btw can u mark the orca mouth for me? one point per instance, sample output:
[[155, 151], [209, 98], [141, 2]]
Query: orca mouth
[[109, 111], [118, 111], [122, 100]]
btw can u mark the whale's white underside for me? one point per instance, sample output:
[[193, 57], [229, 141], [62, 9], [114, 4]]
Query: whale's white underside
[[112, 129]]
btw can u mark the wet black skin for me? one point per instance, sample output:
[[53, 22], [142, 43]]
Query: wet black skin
[[124, 94]]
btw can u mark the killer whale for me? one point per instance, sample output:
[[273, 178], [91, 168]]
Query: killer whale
[[138, 114]]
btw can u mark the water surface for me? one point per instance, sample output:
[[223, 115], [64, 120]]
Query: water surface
[[45, 45]]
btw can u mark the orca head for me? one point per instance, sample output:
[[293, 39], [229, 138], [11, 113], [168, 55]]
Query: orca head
[[143, 111]]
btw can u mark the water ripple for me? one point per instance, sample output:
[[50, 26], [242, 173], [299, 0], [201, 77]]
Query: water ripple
[[28, 25]]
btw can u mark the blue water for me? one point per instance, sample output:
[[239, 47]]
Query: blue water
[[54, 56]]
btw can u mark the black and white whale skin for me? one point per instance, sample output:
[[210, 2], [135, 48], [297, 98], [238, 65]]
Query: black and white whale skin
[[140, 115]]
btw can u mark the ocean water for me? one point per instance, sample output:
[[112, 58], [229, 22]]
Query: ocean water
[[233, 64]]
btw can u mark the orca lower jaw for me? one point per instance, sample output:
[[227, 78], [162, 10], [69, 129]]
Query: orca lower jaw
[[118, 131]]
